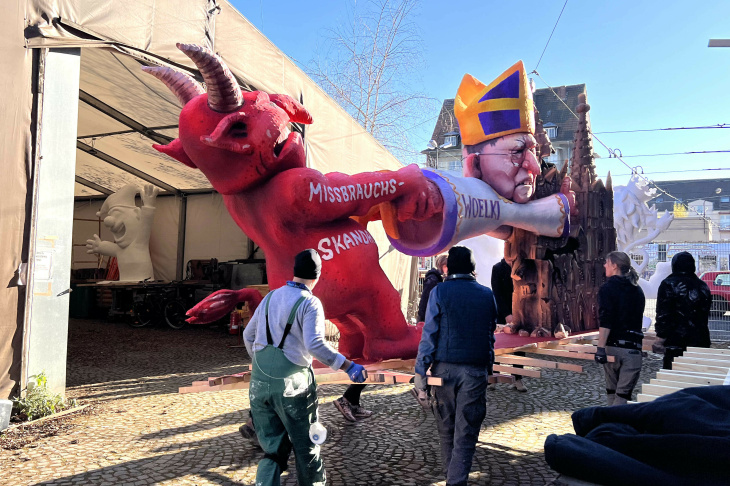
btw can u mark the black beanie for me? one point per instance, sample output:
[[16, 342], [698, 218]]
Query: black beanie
[[461, 260], [307, 265]]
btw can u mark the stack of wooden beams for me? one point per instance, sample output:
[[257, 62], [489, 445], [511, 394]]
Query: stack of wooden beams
[[397, 371], [383, 373], [696, 367]]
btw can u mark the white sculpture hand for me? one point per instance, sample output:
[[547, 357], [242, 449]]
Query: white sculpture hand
[[92, 245], [149, 194]]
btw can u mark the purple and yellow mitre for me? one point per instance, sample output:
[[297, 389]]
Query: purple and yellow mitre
[[502, 108]]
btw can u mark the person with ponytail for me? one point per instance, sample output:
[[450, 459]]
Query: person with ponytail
[[620, 316]]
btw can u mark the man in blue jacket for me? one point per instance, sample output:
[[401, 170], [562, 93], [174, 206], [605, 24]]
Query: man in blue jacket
[[457, 344]]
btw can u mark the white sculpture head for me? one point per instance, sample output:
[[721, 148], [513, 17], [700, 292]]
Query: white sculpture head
[[122, 216]]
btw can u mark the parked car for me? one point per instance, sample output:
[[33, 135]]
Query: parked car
[[719, 283]]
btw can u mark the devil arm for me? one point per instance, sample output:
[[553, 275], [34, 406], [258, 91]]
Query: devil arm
[[220, 303], [318, 197]]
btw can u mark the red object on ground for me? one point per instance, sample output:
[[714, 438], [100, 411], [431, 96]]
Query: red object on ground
[[235, 323], [112, 269]]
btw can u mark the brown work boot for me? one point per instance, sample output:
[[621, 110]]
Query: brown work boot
[[519, 386], [345, 409], [360, 413]]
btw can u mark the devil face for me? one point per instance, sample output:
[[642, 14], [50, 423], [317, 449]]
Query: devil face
[[239, 150], [239, 140]]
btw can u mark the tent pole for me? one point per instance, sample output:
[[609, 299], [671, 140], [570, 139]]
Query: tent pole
[[182, 224]]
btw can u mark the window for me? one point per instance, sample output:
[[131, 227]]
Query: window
[[725, 222], [451, 141], [725, 199], [662, 252], [659, 200], [455, 165], [723, 279], [552, 132]]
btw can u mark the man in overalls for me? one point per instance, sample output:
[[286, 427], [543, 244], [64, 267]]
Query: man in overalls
[[284, 333]]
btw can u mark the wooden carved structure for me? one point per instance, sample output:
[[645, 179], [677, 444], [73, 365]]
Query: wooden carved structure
[[556, 280]]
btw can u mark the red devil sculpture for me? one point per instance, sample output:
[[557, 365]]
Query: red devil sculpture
[[242, 143]]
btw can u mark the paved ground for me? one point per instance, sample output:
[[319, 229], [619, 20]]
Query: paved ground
[[142, 432]]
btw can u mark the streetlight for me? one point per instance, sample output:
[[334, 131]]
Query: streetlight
[[433, 145]]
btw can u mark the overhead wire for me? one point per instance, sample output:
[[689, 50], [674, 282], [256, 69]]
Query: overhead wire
[[706, 127], [551, 34], [679, 153]]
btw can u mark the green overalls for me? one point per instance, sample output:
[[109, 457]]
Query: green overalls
[[283, 405]]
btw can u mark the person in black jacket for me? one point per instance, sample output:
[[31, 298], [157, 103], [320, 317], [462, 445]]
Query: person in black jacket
[[620, 316], [682, 310], [432, 279], [503, 288]]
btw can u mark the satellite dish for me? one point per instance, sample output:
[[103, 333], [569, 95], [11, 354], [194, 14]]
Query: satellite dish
[[432, 144], [718, 190]]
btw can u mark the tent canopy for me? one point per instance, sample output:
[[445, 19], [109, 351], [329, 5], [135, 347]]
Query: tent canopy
[[123, 111]]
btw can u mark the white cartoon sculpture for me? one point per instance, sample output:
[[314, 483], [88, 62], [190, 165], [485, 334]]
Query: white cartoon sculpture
[[131, 227], [631, 216]]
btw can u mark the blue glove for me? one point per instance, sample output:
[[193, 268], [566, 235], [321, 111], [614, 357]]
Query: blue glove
[[600, 356], [356, 372]]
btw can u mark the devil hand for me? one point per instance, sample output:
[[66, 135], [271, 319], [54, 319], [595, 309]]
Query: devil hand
[[220, 303], [149, 194], [565, 190], [421, 198], [92, 245]]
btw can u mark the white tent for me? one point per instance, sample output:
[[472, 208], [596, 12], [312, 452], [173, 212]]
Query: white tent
[[79, 118]]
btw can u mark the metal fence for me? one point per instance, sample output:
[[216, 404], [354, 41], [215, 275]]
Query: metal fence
[[709, 257]]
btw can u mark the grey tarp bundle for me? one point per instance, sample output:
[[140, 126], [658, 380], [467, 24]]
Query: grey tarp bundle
[[116, 37]]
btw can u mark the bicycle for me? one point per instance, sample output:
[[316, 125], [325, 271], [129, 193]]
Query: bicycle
[[156, 304]]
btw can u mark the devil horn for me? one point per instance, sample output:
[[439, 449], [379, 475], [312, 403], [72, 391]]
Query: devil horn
[[224, 94], [181, 85]]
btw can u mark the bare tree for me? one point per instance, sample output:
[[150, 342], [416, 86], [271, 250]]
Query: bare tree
[[371, 65]]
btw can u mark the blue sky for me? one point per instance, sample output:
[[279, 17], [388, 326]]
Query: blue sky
[[646, 65]]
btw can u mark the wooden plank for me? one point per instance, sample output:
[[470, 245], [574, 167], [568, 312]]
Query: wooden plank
[[580, 348], [658, 390], [393, 364], [698, 367], [697, 373], [701, 361], [674, 384], [540, 363], [717, 357], [643, 398], [500, 378], [681, 378], [693, 349], [510, 359], [567, 354], [517, 371]]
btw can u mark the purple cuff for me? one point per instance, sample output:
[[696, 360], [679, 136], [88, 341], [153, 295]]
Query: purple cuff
[[448, 227], [566, 205]]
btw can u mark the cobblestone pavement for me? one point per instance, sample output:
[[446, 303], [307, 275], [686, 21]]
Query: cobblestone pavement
[[143, 432]]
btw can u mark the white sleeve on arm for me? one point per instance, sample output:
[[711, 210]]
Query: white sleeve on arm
[[249, 333], [313, 335]]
